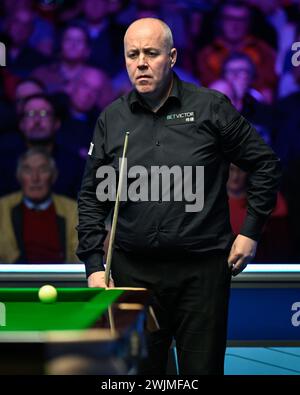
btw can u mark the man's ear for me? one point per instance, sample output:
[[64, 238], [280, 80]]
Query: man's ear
[[173, 56]]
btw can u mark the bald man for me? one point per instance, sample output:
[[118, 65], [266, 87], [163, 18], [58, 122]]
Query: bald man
[[180, 248]]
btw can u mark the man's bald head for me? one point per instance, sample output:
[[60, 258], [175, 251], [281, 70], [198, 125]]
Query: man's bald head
[[150, 56], [151, 25]]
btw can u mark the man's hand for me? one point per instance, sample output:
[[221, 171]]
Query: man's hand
[[242, 252], [96, 280]]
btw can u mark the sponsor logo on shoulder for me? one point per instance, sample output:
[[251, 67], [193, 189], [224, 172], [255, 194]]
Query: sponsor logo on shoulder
[[91, 149]]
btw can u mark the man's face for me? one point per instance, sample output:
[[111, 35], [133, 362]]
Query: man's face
[[20, 26], [36, 177], [238, 74], [86, 91], [148, 59], [95, 10], [38, 121], [74, 45], [235, 23]]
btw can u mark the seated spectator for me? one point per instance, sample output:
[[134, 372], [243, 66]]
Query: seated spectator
[[13, 109], [88, 95], [21, 57], [36, 225], [74, 52], [226, 88], [275, 244], [239, 71], [235, 37], [38, 126], [105, 37]]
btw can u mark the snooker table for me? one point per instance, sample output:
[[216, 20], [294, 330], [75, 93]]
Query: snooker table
[[264, 312], [74, 334]]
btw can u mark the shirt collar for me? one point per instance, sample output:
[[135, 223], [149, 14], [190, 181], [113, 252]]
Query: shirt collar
[[135, 100], [37, 206]]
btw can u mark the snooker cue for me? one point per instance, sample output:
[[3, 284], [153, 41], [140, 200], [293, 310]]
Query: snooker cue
[[113, 232], [153, 319], [115, 216]]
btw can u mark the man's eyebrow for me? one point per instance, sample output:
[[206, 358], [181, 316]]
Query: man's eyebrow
[[151, 49], [144, 48]]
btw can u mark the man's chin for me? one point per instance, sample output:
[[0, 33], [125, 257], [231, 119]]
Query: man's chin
[[144, 90]]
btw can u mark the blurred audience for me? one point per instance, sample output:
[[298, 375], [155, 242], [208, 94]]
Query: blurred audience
[[24, 89], [239, 71], [226, 88], [11, 110], [38, 125], [74, 53], [22, 58], [105, 37], [36, 225], [234, 36], [170, 11], [89, 94], [275, 243]]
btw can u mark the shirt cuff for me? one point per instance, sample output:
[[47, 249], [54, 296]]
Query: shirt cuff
[[94, 263], [252, 227]]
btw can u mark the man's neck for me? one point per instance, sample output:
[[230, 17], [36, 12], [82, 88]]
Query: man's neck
[[40, 204], [46, 144], [157, 101]]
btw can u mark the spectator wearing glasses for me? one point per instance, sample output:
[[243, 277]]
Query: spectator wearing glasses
[[9, 110], [38, 125], [36, 225], [240, 72]]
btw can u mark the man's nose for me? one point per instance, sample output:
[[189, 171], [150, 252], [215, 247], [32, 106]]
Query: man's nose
[[142, 62], [36, 121], [35, 176]]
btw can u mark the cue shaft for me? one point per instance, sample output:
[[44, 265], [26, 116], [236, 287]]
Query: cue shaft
[[115, 215]]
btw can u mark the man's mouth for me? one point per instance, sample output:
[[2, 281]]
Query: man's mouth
[[140, 77]]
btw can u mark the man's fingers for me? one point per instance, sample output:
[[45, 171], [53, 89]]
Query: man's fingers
[[111, 283], [233, 259], [239, 266]]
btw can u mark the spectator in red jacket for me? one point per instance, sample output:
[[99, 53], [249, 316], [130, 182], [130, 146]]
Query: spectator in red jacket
[[275, 243]]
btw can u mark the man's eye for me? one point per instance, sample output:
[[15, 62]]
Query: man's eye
[[152, 54], [132, 55]]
